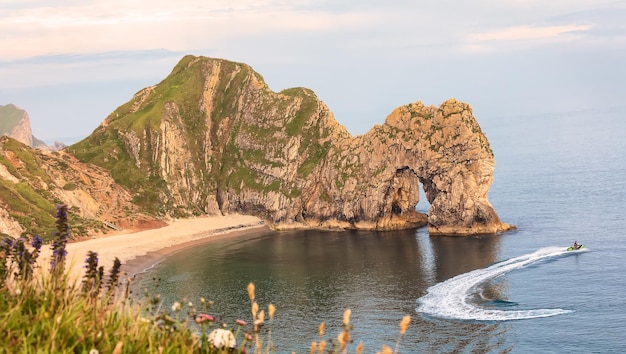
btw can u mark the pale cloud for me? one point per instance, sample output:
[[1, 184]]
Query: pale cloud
[[527, 33], [72, 69], [102, 26], [36, 28], [527, 38]]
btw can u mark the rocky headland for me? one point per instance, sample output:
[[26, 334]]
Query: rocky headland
[[212, 138]]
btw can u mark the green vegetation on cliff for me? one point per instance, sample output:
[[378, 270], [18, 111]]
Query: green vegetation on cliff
[[213, 138], [29, 205], [226, 117], [135, 127], [29, 196]]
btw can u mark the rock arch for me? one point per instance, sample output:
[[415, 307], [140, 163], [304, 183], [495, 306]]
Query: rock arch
[[443, 148]]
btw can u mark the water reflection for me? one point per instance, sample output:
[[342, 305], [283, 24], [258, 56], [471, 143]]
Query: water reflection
[[462, 337], [312, 276], [458, 255]]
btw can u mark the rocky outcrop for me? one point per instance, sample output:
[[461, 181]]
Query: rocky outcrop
[[213, 138], [372, 181]]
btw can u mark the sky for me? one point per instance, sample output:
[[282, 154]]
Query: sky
[[69, 63]]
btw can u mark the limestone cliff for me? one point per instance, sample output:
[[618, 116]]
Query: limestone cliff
[[213, 138], [15, 122], [33, 181]]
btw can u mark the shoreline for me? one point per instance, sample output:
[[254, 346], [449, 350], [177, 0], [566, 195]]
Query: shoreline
[[140, 250], [144, 263]]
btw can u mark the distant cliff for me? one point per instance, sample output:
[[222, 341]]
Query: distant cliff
[[14, 122], [213, 138]]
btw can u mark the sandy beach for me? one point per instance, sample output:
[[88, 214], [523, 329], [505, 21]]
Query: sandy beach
[[139, 250]]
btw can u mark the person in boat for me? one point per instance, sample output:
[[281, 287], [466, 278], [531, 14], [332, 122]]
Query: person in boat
[[576, 245]]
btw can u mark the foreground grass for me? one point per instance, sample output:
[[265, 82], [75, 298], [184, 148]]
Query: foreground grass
[[58, 318], [44, 311]]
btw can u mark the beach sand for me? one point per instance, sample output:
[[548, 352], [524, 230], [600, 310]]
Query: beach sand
[[138, 251]]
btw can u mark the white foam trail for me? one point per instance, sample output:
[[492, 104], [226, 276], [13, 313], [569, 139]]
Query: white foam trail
[[451, 298]]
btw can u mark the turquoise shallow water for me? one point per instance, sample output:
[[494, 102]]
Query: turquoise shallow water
[[559, 178]]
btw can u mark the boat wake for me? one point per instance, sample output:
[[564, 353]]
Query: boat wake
[[451, 299]]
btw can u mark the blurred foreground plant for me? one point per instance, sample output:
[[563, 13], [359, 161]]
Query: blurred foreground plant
[[51, 313]]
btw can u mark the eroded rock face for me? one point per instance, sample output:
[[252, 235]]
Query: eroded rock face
[[213, 138], [372, 181]]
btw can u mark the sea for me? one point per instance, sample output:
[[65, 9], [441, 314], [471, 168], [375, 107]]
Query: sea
[[559, 178]]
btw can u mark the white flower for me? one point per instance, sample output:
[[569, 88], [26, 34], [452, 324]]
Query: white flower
[[176, 306], [221, 338], [94, 351]]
